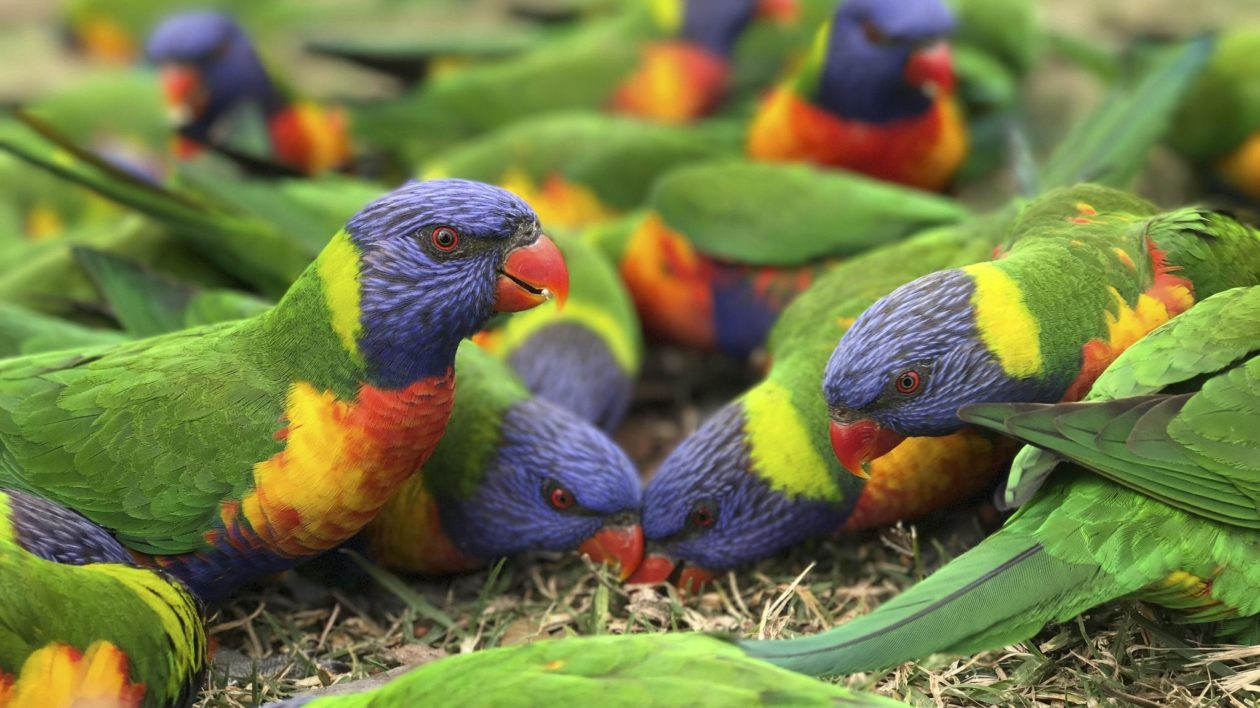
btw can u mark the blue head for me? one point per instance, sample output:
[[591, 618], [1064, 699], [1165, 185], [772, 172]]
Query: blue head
[[909, 362], [435, 260], [555, 483], [569, 365], [716, 25], [885, 60], [208, 67], [707, 509]]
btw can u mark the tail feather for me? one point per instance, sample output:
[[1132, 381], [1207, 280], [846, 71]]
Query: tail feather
[[1000, 592]]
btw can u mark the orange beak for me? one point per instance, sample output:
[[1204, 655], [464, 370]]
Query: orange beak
[[531, 275], [783, 12], [659, 568], [184, 95], [859, 442], [617, 546], [931, 66]]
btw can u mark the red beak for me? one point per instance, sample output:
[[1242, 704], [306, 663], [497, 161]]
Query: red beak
[[784, 12], [931, 66], [182, 87], [531, 275], [618, 546], [658, 568], [860, 442]]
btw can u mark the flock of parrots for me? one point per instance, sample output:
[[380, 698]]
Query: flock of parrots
[[202, 389]]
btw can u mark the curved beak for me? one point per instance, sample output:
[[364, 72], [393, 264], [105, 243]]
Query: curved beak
[[783, 12], [531, 275], [618, 546], [861, 441], [931, 68], [184, 94], [658, 568]]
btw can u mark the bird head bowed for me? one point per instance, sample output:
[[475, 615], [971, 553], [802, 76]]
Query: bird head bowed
[[207, 66], [879, 61], [711, 507], [915, 357], [555, 483], [426, 265]]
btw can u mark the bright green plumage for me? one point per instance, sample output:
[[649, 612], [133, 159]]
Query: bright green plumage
[[1085, 539], [631, 670], [150, 618]]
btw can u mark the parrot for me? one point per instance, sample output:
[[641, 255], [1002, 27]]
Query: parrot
[[330, 400], [81, 625], [219, 93], [876, 95], [585, 358], [466, 507], [711, 268], [1145, 490], [1218, 124], [1070, 291], [513, 474], [760, 470], [630, 670]]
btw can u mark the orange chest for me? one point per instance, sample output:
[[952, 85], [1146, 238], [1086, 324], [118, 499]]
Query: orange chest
[[341, 462], [922, 152]]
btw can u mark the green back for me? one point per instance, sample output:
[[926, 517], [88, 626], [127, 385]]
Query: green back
[[639, 669], [787, 215]]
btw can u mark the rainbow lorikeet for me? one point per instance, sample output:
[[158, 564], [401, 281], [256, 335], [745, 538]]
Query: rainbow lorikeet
[[80, 625], [585, 358], [470, 503], [513, 474], [1038, 324], [875, 96], [759, 476], [725, 246], [1152, 496], [1218, 126], [229, 451], [219, 93], [636, 669]]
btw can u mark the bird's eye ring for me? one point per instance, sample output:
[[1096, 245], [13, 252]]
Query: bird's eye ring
[[908, 382], [559, 498], [701, 516], [445, 238]]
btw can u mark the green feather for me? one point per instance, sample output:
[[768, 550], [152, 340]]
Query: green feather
[[150, 618], [640, 669]]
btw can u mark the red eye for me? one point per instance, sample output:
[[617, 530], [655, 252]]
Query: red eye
[[445, 238], [873, 34], [701, 517], [560, 498], [908, 382]]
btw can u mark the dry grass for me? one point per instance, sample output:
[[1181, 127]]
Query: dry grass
[[298, 635]]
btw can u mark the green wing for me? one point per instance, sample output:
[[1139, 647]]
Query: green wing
[[640, 669], [147, 303], [788, 215], [23, 331], [619, 158], [145, 438], [1110, 146], [1185, 432]]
